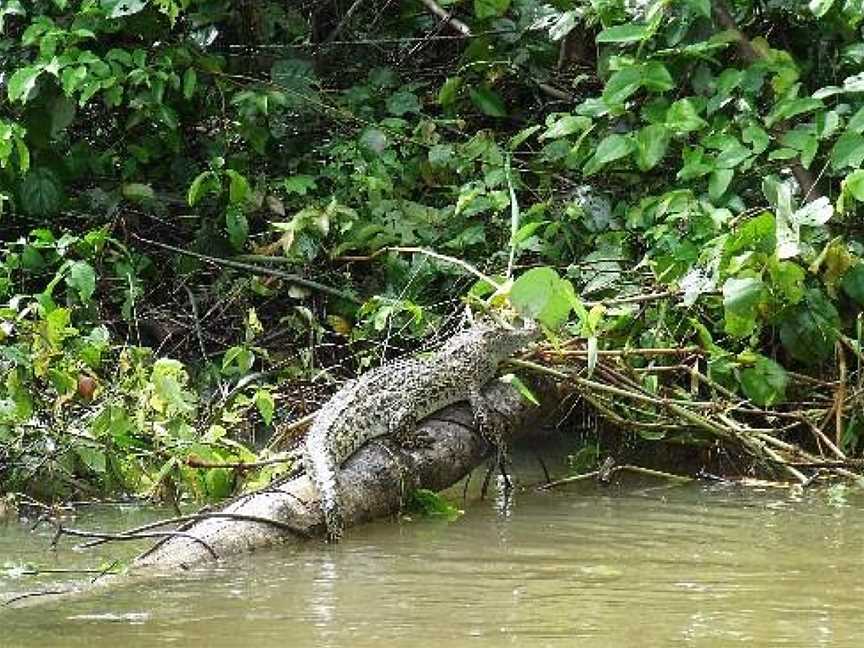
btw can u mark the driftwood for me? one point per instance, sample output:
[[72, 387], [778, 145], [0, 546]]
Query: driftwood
[[379, 475]]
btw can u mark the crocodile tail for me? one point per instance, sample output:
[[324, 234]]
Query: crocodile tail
[[323, 472]]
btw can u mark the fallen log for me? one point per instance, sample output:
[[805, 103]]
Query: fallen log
[[380, 475]]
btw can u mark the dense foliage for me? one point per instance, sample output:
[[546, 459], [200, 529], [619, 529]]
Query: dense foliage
[[658, 173]]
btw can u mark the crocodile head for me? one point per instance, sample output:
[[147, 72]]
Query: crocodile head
[[502, 341]]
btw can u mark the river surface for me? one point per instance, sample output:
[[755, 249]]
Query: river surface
[[631, 564]]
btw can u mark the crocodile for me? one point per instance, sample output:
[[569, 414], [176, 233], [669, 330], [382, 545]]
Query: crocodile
[[391, 399]]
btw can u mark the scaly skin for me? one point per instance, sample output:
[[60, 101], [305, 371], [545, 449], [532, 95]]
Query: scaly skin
[[390, 400]]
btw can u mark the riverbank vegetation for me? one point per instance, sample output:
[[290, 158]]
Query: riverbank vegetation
[[213, 211]]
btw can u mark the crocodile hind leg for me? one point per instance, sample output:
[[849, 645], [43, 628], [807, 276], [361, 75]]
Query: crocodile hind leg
[[491, 426]]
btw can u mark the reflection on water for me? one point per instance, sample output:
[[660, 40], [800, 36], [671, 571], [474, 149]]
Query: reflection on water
[[618, 566]]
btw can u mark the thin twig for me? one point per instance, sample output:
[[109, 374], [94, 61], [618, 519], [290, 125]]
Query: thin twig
[[254, 269]]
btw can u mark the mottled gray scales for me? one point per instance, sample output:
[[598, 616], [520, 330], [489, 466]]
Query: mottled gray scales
[[390, 400]]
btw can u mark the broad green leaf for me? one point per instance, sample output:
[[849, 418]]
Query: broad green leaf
[[683, 118], [237, 226], [629, 33], [22, 82], [403, 102], [718, 182], [621, 85], [820, 7], [853, 283], [204, 183], [741, 299], [190, 82], [238, 188], [565, 125], [121, 8], [856, 122], [848, 151], [788, 108], [82, 278], [541, 294], [651, 144], [700, 7], [656, 77], [613, 147], [266, 405], [299, 184], [810, 330], [756, 137], [765, 382], [488, 101], [137, 192], [41, 193], [63, 112], [787, 280], [449, 92], [732, 156], [93, 458], [484, 9], [854, 185]]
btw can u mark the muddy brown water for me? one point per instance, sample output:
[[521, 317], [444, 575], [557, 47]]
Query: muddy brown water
[[633, 564]]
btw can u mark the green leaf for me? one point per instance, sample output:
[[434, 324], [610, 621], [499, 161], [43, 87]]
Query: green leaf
[[756, 137], [613, 147], [22, 82], [848, 151], [204, 183], [718, 182], [299, 184], [403, 102], [700, 7], [93, 458], [449, 92], [521, 387], [541, 294], [741, 299], [810, 330], [856, 122], [853, 283], [731, 156], [82, 278], [789, 108], [629, 33], [41, 193], [237, 226], [656, 77], [651, 145], [787, 279], [765, 382], [121, 8], [621, 85], [820, 7], [431, 504], [484, 9], [565, 125], [238, 189], [190, 81], [137, 192], [682, 117], [488, 101], [266, 405]]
